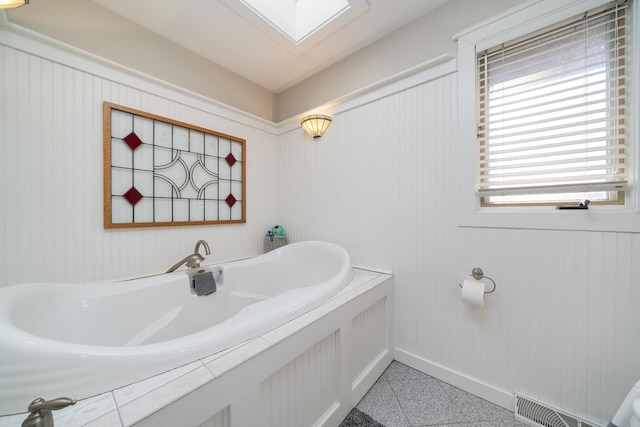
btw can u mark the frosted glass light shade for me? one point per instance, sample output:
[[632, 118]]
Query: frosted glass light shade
[[8, 4], [316, 125]]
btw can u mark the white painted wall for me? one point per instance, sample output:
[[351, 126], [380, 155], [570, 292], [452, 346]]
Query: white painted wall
[[382, 182], [51, 168], [426, 37]]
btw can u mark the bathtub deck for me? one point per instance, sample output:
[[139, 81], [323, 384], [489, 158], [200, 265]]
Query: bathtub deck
[[134, 403]]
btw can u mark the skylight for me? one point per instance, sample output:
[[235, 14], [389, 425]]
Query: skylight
[[297, 19], [298, 24]]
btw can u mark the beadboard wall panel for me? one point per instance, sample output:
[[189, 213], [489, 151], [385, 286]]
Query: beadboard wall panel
[[369, 345], [52, 174], [303, 393], [221, 419], [382, 182]]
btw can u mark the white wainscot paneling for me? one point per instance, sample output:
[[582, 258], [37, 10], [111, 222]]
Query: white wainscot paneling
[[306, 389], [221, 419], [52, 176], [383, 182], [369, 345], [560, 326]]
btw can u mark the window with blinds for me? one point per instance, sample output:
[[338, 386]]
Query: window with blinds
[[551, 122]]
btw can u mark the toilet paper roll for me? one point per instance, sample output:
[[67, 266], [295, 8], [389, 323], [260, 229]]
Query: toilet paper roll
[[473, 293]]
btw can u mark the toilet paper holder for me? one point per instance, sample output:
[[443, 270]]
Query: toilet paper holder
[[478, 274]]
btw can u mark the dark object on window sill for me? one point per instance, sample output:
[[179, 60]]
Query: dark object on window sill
[[584, 204]]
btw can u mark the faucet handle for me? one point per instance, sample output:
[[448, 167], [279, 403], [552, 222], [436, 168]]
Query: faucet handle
[[194, 260], [40, 411], [53, 404]]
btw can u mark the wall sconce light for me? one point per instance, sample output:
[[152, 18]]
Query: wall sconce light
[[10, 4], [316, 124]]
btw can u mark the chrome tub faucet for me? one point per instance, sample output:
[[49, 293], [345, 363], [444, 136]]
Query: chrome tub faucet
[[207, 251], [193, 260]]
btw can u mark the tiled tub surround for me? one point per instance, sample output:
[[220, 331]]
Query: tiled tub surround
[[310, 371]]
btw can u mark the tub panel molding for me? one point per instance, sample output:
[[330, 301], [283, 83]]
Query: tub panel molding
[[303, 391], [221, 419], [369, 345], [279, 384]]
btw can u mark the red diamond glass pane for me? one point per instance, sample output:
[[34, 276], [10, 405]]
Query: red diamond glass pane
[[133, 196], [133, 141], [230, 200], [230, 160]]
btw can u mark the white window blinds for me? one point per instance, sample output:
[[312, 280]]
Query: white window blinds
[[552, 109]]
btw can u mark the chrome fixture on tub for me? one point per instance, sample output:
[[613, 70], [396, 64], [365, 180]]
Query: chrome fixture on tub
[[193, 260], [40, 411]]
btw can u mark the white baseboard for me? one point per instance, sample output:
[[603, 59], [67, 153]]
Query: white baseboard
[[471, 385]]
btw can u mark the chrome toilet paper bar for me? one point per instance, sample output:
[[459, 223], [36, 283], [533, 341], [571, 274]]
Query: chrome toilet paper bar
[[478, 274]]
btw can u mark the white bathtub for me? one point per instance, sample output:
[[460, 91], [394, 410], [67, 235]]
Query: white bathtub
[[79, 340]]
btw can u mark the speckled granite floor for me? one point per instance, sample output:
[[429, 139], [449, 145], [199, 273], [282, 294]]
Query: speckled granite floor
[[404, 397]]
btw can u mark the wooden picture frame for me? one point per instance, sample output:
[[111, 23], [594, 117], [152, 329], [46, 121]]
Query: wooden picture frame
[[160, 172]]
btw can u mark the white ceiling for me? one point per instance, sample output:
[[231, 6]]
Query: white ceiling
[[228, 33]]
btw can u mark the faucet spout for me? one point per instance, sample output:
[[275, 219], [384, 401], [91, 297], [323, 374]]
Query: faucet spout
[[207, 251]]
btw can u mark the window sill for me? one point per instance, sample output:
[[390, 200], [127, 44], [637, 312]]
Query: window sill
[[548, 218]]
